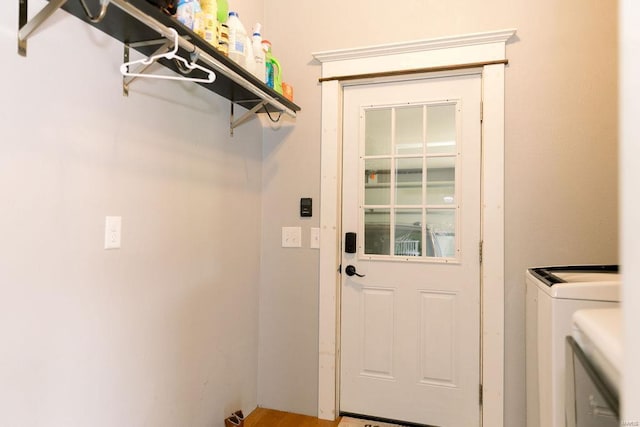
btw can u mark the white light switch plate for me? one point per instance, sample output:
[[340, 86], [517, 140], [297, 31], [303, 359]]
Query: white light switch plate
[[291, 237], [112, 232], [315, 238]]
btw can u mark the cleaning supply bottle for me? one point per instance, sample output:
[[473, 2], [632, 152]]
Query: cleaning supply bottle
[[277, 79], [258, 54], [223, 11], [210, 21], [223, 38], [222, 30], [250, 59], [187, 12], [273, 68], [237, 39]]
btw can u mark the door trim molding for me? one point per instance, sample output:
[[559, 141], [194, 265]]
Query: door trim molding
[[439, 43], [440, 52]]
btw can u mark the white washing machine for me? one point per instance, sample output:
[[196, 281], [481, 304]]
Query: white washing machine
[[594, 368], [553, 295]]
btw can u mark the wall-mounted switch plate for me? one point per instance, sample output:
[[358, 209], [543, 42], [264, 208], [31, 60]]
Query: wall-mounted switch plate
[[291, 237], [315, 238], [112, 232]]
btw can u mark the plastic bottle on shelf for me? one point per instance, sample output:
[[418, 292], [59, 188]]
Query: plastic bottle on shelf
[[268, 65], [210, 21], [222, 30], [223, 38], [250, 59], [187, 13], [223, 11], [237, 39], [273, 68], [258, 54], [277, 75]]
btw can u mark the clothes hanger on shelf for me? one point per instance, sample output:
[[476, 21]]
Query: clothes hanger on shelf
[[183, 65]]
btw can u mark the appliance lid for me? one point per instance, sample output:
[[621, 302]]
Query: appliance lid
[[577, 282], [598, 332], [555, 275]]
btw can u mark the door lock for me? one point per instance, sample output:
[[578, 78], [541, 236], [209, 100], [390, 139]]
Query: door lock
[[351, 271], [350, 245]]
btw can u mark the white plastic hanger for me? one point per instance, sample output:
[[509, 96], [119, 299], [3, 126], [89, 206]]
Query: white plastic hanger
[[124, 68]]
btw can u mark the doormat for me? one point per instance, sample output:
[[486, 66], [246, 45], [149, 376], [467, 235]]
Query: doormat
[[355, 422]]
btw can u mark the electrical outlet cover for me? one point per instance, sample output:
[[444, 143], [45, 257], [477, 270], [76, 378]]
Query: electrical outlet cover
[[112, 232], [315, 238], [291, 237]]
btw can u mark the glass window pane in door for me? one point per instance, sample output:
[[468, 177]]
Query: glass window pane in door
[[441, 233], [409, 181], [441, 184], [377, 231], [377, 132], [377, 181], [408, 232], [441, 129], [409, 125]]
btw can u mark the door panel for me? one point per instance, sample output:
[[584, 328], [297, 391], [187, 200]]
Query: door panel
[[410, 326], [437, 325]]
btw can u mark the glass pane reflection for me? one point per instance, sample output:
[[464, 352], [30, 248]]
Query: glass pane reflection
[[409, 130], [377, 132], [377, 229], [441, 174], [408, 232], [441, 233], [409, 181], [377, 179], [441, 129]]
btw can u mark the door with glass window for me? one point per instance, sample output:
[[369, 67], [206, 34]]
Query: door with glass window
[[410, 297]]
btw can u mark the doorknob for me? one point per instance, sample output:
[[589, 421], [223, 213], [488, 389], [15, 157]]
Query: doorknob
[[351, 271]]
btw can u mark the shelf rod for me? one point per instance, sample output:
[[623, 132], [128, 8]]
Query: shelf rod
[[29, 27], [210, 60]]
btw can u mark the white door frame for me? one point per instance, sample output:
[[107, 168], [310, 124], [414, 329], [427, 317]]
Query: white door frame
[[483, 48]]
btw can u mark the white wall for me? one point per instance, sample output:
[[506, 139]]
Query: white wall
[[630, 228], [561, 158], [164, 331]]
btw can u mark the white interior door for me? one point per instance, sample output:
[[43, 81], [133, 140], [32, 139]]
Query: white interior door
[[410, 327]]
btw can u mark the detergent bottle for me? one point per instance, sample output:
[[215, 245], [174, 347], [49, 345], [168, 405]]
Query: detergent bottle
[[188, 13], [273, 77], [250, 59], [222, 7], [258, 54], [237, 39], [210, 21]]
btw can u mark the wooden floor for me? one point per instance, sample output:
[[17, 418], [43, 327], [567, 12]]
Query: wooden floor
[[261, 417]]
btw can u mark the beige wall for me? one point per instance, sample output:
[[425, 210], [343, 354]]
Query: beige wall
[[561, 158], [173, 329], [164, 331]]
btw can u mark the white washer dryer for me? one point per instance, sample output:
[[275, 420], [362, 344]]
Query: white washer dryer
[[594, 368], [553, 295]]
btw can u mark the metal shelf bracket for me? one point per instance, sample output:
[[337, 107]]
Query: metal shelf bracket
[[246, 116], [26, 28], [164, 48]]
